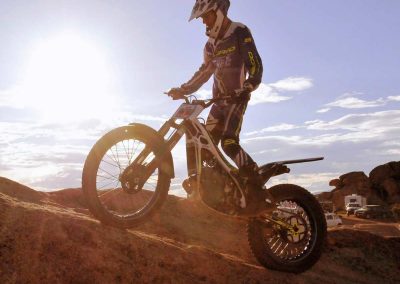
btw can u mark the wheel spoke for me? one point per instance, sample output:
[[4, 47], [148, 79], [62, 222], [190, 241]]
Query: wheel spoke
[[105, 186], [125, 200], [108, 193], [109, 178], [116, 158], [111, 164], [112, 159], [111, 175], [290, 243]]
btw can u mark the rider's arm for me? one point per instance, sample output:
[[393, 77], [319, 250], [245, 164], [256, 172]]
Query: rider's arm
[[202, 75], [252, 59]]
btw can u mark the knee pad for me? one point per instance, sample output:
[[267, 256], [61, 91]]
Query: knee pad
[[231, 147]]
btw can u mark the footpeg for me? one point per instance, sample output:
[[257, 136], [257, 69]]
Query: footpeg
[[187, 186], [269, 170], [258, 203]]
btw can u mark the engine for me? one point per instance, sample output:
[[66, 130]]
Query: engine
[[218, 191]]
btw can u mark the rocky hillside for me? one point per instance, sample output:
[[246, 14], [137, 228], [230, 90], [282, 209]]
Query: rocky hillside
[[381, 186], [52, 238]]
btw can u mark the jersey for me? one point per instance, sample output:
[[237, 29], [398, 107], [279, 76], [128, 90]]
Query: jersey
[[233, 60]]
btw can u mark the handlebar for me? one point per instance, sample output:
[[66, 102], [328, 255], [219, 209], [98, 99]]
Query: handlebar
[[209, 102], [205, 103]]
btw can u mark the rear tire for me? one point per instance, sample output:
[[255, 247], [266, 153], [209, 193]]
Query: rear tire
[[279, 249], [108, 200]]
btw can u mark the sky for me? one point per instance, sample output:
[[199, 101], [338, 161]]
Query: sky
[[70, 71]]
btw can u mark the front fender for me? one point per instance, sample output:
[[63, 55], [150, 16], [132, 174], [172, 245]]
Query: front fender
[[160, 147]]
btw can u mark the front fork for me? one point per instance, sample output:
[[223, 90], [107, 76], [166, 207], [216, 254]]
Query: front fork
[[130, 178]]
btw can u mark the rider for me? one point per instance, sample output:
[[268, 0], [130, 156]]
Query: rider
[[231, 56]]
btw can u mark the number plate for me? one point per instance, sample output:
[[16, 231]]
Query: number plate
[[186, 111]]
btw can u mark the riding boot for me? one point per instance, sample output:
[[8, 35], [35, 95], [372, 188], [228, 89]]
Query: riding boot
[[190, 186], [250, 173], [258, 200]]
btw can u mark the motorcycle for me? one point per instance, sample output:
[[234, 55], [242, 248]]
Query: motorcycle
[[127, 176]]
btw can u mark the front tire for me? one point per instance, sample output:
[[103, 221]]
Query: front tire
[[111, 202], [291, 251]]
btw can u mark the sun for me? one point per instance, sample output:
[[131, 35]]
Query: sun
[[68, 78]]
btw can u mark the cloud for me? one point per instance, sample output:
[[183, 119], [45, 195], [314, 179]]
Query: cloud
[[292, 84], [12, 98], [354, 103], [355, 142], [379, 122], [355, 128], [394, 98], [50, 156], [266, 94], [323, 110], [374, 127], [203, 94], [143, 117], [46, 155], [38, 164], [270, 93], [314, 182], [349, 101], [275, 128]]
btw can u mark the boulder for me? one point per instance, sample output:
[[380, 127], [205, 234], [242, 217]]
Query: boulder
[[391, 189], [383, 172], [346, 184], [356, 182], [385, 180], [336, 183], [381, 187]]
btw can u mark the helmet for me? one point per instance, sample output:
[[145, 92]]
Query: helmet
[[203, 6], [219, 6]]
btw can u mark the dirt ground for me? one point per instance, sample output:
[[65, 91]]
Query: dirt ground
[[384, 228], [52, 238]]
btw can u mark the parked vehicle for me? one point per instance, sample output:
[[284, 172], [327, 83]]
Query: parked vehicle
[[333, 220], [351, 207], [355, 198], [373, 211]]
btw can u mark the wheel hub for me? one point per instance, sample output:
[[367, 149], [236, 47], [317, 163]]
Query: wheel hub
[[132, 178], [296, 232]]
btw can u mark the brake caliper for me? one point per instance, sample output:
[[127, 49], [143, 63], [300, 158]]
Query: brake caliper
[[132, 178]]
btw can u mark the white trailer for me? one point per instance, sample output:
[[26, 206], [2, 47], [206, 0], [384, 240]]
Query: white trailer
[[354, 198]]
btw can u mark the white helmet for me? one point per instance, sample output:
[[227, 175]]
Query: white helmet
[[219, 6]]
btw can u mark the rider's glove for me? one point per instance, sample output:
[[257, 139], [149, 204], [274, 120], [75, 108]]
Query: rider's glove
[[243, 95], [176, 93]]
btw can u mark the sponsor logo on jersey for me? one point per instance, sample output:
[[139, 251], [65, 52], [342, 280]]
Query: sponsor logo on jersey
[[225, 51]]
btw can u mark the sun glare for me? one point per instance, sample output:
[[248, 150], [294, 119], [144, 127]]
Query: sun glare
[[68, 78]]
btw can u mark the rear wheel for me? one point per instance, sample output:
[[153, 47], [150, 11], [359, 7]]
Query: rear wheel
[[120, 199], [297, 247]]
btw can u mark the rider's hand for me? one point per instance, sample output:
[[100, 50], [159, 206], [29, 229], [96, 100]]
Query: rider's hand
[[243, 94], [176, 93]]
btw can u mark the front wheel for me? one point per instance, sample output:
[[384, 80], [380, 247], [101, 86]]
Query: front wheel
[[292, 240], [130, 202]]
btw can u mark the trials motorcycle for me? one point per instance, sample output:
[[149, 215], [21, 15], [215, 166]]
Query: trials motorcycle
[[127, 175]]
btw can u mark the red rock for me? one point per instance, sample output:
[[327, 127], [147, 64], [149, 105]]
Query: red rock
[[336, 183], [382, 186]]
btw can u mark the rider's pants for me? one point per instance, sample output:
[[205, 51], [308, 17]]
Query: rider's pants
[[224, 124]]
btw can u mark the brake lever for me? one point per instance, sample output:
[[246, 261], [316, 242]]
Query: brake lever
[[183, 97]]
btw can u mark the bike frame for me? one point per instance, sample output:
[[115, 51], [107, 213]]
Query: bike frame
[[185, 121]]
